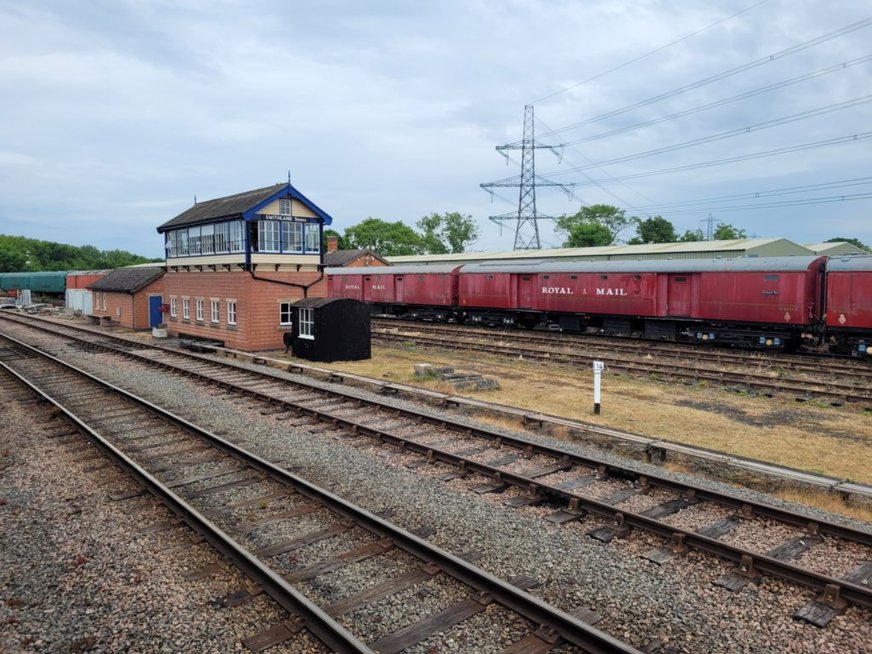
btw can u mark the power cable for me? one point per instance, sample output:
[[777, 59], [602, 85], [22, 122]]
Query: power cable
[[723, 75], [776, 122], [655, 51], [770, 205], [861, 136], [719, 103]]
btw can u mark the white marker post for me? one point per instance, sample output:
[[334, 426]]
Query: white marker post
[[598, 367]]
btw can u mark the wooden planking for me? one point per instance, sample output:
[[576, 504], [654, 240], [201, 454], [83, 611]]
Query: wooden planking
[[423, 629], [382, 590]]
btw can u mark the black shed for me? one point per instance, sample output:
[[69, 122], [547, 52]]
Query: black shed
[[331, 329]]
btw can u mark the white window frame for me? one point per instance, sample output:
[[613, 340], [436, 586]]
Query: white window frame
[[286, 314], [173, 307], [104, 301], [312, 238], [307, 323], [231, 312], [214, 311], [199, 307], [186, 308], [292, 237], [269, 236], [285, 205]]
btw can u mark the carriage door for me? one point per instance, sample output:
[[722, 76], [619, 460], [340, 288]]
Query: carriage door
[[678, 303], [525, 291], [400, 293]]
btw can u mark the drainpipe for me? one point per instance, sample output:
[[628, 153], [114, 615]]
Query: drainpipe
[[305, 287]]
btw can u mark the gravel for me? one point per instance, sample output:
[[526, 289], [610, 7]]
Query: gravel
[[640, 601]]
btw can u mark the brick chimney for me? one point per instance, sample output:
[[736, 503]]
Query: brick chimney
[[332, 243]]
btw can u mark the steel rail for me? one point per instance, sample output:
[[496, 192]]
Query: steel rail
[[321, 625], [752, 380], [571, 629], [780, 515]]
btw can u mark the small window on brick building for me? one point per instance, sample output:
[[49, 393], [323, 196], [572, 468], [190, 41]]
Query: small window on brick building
[[214, 310], [307, 323], [186, 308], [173, 307], [285, 314], [200, 309], [231, 312]]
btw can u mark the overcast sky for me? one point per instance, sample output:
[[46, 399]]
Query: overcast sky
[[116, 113]]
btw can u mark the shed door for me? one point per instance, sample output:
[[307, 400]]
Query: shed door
[[679, 295], [525, 291], [155, 317]]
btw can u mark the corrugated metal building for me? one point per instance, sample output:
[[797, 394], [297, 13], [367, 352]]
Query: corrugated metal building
[[834, 249], [745, 247]]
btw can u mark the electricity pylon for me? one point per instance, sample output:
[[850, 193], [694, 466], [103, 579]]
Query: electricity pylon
[[527, 218]]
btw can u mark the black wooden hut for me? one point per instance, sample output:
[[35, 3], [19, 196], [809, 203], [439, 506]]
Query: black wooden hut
[[331, 329]]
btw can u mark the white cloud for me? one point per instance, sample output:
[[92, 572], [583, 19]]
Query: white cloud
[[125, 110]]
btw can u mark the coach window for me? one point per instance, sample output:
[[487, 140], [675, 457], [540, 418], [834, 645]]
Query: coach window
[[604, 276], [285, 314], [681, 279], [573, 277], [307, 323], [771, 278]]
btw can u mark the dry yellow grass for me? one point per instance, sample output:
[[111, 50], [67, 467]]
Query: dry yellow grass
[[809, 436]]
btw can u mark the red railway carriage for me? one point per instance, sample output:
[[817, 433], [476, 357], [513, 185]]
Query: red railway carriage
[[416, 292], [849, 304], [750, 302]]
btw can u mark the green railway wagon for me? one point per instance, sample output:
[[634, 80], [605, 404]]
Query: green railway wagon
[[52, 282]]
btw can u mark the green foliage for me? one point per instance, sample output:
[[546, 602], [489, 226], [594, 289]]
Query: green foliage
[[726, 232], [653, 230], [588, 235], [448, 232], [340, 243], [691, 236], [19, 254], [603, 216], [853, 241], [384, 238]]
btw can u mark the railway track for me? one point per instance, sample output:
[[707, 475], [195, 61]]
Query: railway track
[[590, 495], [190, 470], [836, 380]]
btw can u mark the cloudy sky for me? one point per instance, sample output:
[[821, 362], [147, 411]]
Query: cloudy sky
[[116, 113]]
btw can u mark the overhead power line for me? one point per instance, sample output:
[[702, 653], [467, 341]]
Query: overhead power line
[[790, 190], [851, 138], [775, 122], [771, 205], [652, 52], [723, 75], [719, 103]]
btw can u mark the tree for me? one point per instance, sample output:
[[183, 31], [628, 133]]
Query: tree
[[604, 215], [384, 238], [11, 259], [448, 232], [588, 235], [726, 232], [340, 242], [853, 241], [691, 236], [653, 230]]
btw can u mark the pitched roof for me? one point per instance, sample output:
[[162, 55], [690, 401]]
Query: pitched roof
[[127, 280], [343, 257], [240, 205]]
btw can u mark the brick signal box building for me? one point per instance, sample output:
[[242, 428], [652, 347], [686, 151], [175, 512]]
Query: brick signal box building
[[236, 265]]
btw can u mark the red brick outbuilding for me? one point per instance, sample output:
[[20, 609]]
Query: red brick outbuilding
[[129, 297]]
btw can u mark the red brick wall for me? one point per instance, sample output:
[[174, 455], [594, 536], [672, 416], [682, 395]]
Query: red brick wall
[[125, 309], [257, 305]]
